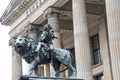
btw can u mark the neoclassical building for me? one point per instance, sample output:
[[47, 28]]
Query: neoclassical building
[[88, 28]]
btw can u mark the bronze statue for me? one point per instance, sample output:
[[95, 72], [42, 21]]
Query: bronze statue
[[46, 36], [37, 54]]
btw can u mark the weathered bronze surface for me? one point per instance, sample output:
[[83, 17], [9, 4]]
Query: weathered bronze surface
[[43, 52]]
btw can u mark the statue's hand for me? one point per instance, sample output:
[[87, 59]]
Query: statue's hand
[[55, 37]]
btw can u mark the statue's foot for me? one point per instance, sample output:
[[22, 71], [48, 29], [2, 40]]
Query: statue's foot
[[24, 78], [73, 75]]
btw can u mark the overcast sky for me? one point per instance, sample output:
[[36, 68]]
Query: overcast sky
[[5, 50]]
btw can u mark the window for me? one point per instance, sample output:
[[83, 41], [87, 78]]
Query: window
[[96, 49], [99, 77]]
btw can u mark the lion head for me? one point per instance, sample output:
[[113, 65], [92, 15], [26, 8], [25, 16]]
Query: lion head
[[21, 42], [25, 46]]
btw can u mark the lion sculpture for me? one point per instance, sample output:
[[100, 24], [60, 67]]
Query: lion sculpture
[[25, 46]]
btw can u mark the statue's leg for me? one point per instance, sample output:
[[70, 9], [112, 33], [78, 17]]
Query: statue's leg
[[56, 67], [51, 56], [36, 71], [69, 65], [73, 70], [32, 66], [29, 72]]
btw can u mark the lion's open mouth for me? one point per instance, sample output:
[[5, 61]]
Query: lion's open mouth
[[19, 46]]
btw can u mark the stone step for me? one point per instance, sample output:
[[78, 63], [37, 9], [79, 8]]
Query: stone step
[[52, 78]]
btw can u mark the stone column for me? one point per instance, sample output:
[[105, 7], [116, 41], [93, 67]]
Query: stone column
[[41, 69], [81, 40], [104, 50], [16, 66], [47, 70], [53, 20], [32, 31], [113, 20]]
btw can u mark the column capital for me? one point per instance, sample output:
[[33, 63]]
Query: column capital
[[31, 28], [52, 11]]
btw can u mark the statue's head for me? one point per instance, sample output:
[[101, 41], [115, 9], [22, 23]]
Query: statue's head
[[47, 27], [25, 46], [20, 43]]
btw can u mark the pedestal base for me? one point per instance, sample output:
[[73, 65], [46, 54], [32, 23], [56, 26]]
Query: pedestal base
[[47, 78]]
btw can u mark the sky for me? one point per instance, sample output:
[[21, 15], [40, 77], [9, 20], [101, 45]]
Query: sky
[[5, 50]]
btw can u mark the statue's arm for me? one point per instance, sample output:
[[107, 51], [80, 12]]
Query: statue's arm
[[43, 35], [53, 35], [38, 46]]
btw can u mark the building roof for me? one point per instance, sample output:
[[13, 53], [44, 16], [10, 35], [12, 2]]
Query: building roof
[[17, 7], [14, 9]]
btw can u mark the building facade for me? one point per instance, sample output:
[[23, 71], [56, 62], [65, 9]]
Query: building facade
[[89, 28]]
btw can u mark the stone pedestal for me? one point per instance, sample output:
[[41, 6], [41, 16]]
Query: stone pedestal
[[113, 20], [81, 40], [52, 78]]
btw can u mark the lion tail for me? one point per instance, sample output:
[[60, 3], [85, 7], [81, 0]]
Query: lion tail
[[63, 70]]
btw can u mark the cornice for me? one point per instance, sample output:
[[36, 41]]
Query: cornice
[[14, 14], [23, 6]]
